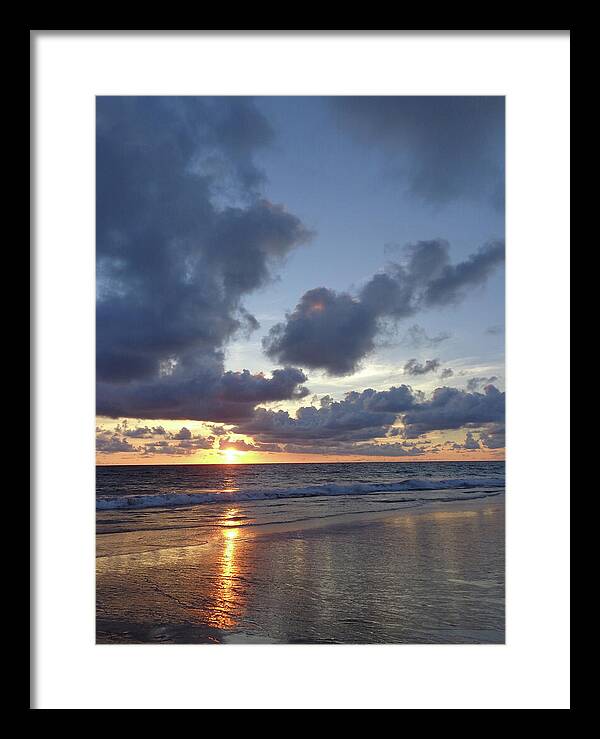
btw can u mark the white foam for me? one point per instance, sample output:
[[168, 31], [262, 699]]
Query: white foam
[[169, 500]]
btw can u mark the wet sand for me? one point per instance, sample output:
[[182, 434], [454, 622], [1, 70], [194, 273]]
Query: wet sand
[[432, 574]]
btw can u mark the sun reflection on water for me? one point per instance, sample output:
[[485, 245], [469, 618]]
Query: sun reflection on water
[[228, 594]]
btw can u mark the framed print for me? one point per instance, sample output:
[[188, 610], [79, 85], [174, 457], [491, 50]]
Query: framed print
[[297, 332]]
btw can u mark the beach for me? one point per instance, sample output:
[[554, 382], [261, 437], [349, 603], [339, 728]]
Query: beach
[[402, 568]]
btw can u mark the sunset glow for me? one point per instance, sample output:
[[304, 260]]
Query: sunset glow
[[232, 456]]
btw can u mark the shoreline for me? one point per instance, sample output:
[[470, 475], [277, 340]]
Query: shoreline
[[427, 574]]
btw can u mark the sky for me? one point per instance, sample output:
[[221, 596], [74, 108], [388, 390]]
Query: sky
[[295, 279]]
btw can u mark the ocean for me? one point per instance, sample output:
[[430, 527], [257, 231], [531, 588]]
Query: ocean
[[301, 553], [145, 486]]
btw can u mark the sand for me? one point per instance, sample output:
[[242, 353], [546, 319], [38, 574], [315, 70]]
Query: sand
[[427, 575]]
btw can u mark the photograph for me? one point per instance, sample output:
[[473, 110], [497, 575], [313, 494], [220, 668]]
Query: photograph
[[300, 369]]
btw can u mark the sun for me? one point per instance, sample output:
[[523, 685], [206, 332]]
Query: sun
[[232, 456]]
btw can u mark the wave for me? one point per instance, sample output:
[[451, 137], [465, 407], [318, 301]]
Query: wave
[[170, 500]]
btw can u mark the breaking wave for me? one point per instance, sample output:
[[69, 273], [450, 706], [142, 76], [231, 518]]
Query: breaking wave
[[170, 500]]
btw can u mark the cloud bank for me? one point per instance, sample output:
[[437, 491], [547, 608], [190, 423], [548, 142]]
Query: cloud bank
[[390, 423], [360, 423]]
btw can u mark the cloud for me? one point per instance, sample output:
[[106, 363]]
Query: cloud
[[445, 373], [163, 447], [108, 443], [141, 432], [159, 431], [417, 338], [451, 285], [395, 449], [209, 394], [183, 236], [358, 417], [218, 430], [493, 437], [474, 383], [185, 447], [442, 148], [334, 331], [183, 433], [414, 367], [327, 330], [450, 408], [470, 441], [197, 442], [243, 446], [238, 444]]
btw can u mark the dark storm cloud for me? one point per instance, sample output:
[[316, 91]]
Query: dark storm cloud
[[443, 148], [243, 387], [182, 237], [208, 394], [450, 408], [334, 331], [414, 367]]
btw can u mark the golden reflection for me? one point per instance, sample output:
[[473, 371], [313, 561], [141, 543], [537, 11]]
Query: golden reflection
[[447, 515], [228, 594], [229, 519]]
